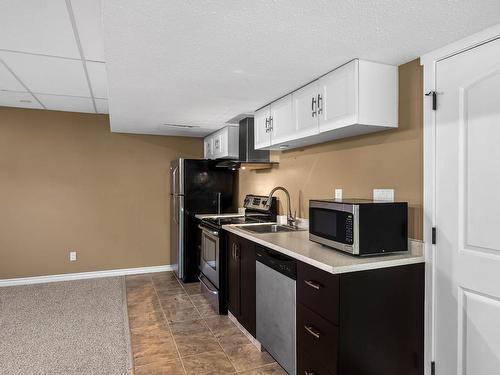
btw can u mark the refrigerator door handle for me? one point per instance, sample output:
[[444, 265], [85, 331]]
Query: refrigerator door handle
[[218, 202], [174, 182], [174, 210]]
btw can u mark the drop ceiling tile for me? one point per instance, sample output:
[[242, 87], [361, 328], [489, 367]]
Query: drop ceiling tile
[[98, 79], [49, 75], [37, 27], [8, 81], [18, 99], [102, 106], [89, 25], [67, 103]]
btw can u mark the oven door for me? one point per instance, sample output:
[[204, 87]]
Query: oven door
[[335, 225], [209, 262]]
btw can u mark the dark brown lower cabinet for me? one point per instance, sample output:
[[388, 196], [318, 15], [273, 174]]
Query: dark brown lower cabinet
[[318, 337], [241, 281], [234, 273], [361, 323]]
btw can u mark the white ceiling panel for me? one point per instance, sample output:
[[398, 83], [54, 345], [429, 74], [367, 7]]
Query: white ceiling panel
[[205, 61], [48, 75], [37, 26], [89, 25], [102, 105], [98, 79], [67, 103], [8, 81], [18, 99]]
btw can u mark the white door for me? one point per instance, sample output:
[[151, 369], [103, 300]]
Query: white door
[[305, 110], [262, 136], [338, 104], [468, 212], [282, 126]]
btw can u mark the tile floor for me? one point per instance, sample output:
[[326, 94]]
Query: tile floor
[[174, 331]]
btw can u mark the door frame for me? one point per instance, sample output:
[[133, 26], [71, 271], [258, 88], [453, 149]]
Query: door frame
[[429, 62]]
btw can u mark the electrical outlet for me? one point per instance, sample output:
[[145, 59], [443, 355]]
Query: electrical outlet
[[72, 256], [338, 194], [383, 195]]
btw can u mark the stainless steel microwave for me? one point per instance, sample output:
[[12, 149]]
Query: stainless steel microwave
[[358, 226]]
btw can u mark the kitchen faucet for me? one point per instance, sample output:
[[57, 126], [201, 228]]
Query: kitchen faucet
[[289, 217]]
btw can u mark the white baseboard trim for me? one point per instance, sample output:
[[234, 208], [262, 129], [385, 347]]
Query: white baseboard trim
[[83, 275]]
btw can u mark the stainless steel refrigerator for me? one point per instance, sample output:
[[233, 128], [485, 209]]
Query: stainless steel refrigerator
[[196, 187]]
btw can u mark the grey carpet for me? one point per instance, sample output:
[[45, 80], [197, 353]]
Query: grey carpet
[[71, 327]]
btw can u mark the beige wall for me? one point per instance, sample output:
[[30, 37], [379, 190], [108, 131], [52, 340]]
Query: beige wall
[[67, 182], [390, 159]]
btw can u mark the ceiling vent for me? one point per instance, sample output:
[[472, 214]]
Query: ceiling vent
[[181, 126]]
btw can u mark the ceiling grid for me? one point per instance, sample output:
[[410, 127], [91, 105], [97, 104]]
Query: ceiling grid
[[39, 52]]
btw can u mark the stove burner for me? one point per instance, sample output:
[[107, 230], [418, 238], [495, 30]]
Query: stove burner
[[231, 220]]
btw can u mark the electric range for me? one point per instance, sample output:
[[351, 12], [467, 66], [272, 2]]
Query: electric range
[[213, 254]]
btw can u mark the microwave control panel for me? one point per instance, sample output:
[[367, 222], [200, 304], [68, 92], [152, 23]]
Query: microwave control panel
[[349, 229]]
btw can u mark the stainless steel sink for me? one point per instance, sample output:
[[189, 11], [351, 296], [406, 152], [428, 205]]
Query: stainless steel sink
[[269, 228]]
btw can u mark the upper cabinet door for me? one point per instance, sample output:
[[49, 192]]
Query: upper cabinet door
[[305, 110], [282, 126], [262, 135], [220, 143], [208, 147], [338, 97]]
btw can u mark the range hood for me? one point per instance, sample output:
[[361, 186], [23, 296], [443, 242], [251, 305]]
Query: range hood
[[249, 157]]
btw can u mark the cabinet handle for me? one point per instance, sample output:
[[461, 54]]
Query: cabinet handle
[[313, 106], [312, 284], [312, 331], [320, 104], [271, 126], [307, 372], [267, 124]]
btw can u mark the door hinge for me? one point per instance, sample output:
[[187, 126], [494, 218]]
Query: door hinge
[[434, 99], [433, 235], [433, 368]]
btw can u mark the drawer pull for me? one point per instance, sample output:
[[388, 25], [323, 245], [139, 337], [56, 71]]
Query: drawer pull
[[312, 331], [313, 284], [307, 372]]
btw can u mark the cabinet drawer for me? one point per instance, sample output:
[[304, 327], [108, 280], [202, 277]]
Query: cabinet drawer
[[318, 337], [307, 366], [319, 291]]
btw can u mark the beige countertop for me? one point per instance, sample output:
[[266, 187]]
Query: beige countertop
[[297, 245]]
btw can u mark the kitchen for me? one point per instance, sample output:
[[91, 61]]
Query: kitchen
[[235, 247], [272, 214]]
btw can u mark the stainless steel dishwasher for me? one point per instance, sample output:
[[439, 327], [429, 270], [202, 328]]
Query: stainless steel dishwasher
[[275, 288]]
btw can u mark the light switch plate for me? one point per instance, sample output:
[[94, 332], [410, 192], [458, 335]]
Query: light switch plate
[[72, 256], [338, 193], [383, 195]]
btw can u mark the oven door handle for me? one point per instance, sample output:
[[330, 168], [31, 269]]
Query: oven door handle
[[212, 232], [210, 290]]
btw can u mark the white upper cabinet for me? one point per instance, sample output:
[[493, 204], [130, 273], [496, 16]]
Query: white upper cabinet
[[305, 110], [281, 122], [337, 100], [223, 144], [262, 137], [208, 148], [357, 98]]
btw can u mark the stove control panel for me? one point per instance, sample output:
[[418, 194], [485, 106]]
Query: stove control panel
[[256, 202]]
